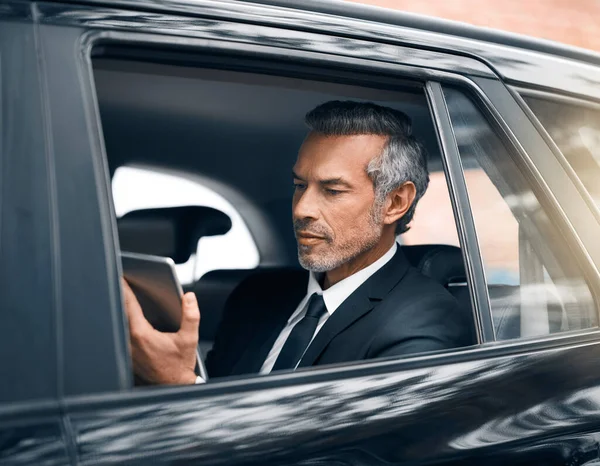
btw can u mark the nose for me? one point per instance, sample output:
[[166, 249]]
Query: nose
[[305, 205]]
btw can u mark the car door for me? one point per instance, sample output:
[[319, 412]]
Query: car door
[[529, 401], [33, 428]]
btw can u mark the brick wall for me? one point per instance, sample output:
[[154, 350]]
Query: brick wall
[[575, 22]]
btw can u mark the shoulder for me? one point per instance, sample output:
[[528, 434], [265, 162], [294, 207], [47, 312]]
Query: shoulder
[[415, 288], [420, 306]]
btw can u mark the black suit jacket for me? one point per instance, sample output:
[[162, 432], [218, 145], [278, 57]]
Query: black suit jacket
[[396, 312]]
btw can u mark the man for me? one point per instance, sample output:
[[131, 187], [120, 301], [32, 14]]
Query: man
[[357, 180]]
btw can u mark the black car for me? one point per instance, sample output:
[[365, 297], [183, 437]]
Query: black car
[[213, 93]]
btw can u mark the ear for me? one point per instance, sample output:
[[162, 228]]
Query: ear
[[398, 202]]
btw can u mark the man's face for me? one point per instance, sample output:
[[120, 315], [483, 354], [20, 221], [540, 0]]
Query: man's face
[[334, 211]]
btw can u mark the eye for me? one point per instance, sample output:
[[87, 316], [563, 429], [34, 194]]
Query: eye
[[333, 192], [299, 186]]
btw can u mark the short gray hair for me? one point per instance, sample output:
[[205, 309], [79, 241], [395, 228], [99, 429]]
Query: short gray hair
[[403, 158]]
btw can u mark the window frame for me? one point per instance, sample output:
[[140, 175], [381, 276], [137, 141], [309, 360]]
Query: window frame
[[465, 223], [361, 67], [413, 76]]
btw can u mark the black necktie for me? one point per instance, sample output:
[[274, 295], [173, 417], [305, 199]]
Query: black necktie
[[301, 334]]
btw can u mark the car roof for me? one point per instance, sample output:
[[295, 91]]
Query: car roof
[[433, 24], [517, 59], [352, 10]]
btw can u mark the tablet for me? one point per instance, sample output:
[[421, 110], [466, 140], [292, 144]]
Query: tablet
[[154, 282], [155, 285]]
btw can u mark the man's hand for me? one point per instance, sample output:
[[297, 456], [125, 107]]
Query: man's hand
[[163, 358]]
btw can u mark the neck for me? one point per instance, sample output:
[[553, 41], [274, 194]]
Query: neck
[[358, 263]]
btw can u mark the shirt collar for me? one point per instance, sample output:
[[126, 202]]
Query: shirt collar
[[335, 295]]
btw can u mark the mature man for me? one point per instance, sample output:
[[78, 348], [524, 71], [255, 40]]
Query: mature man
[[357, 180]]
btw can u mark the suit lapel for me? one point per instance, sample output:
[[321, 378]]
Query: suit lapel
[[359, 303]]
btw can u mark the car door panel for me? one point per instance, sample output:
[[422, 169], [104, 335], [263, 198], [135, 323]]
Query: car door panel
[[34, 436], [458, 412]]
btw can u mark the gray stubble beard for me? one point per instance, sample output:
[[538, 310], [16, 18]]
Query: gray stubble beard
[[350, 251]]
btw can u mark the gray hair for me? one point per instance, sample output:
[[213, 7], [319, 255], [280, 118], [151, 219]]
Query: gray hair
[[403, 157]]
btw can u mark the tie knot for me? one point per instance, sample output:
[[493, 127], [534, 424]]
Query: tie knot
[[316, 306]]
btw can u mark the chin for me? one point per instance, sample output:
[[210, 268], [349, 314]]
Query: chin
[[316, 263], [312, 267]]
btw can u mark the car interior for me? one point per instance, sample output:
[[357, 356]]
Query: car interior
[[237, 130]]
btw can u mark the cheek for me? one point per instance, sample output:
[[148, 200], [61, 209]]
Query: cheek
[[346, 218]]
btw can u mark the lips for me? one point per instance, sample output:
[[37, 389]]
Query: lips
[[308, 235], [307, 239]]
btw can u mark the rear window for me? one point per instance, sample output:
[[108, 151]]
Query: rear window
[[146, 188], [576, 131]]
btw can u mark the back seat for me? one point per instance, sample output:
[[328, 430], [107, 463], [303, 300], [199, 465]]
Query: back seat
[[212, 291], [445, 264]]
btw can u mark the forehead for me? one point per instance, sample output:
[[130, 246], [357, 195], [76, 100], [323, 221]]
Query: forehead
[[328, 156]]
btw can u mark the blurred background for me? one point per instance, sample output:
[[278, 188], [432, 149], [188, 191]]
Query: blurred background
[[574, 22]]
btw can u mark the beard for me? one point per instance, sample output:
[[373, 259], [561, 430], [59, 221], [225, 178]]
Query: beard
[[366, 234]]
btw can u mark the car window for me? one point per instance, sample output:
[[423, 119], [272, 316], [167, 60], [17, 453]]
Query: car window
[[576, 131], [170, 129], [144, 188], [433, 222], [535, 287]]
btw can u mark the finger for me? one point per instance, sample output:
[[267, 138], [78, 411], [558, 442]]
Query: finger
[[133, 309], [190, 316]]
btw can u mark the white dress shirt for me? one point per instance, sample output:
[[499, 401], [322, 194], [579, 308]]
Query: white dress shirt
[[333, 296]]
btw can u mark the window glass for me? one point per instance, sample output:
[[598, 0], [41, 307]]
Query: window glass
[[535, 286], [142, 188], [433, 222], [239, 134], [576, 132]]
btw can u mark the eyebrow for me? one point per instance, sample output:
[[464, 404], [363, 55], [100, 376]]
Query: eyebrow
[[328, 182]]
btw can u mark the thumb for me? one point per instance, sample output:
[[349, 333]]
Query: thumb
[[190, 316]]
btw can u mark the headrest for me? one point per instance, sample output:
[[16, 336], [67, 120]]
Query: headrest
[[171, 231], [442, 262]]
